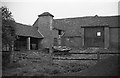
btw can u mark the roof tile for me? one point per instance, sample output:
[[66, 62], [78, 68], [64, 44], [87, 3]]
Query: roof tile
[[72, 26], [25, 30], [45, 14]]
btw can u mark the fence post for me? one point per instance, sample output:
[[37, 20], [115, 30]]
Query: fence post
[[98, 56]]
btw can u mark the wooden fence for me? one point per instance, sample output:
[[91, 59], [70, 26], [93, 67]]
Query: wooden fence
[[97, 53]]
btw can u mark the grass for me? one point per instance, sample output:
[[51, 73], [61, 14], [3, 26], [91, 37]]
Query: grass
[[106, 67], [35, 63]]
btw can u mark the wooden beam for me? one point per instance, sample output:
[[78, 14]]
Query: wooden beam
[[28, 43], [106, 37]]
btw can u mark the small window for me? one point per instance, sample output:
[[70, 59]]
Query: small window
[[60, 32], [98, 33]]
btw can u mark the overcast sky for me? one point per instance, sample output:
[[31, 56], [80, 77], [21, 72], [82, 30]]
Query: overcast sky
[[26, 12]]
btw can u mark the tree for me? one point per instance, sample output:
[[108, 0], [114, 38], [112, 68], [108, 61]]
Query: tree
[[8, 29], [8, 33]]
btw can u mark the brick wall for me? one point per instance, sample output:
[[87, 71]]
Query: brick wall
[[73, 42], [45, 27]]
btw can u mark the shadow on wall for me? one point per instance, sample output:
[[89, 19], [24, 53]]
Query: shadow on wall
[[115, 46]]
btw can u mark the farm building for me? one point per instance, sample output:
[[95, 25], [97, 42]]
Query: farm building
[[79, 32], [28, 37], [96, 31], [0, 30], [91, 31]]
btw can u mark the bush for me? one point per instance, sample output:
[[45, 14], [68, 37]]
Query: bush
[[5, 58]]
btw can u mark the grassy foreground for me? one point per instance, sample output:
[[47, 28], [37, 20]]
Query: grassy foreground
[[36, 63]]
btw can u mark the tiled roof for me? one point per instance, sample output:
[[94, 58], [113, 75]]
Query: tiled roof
[[72, 25], [72, 32], [112, 21], [45, 14], [25, 30], [94, 21], [60, 25]]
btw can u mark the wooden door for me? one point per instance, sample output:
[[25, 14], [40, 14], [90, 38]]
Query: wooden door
[[94, 37]]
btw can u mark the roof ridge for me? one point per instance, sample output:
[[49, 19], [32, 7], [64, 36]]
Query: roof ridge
[[45, 14], [86, 17], [73, 18], [24, 24]]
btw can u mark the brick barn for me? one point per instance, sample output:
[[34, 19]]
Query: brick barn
[[91, 31], [78, 32]]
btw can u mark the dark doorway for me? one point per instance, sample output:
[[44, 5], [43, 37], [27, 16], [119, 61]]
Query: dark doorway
[[34, 43], [20, 43], [94, 36]]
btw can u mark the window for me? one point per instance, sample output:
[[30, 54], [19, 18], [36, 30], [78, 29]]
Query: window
[[98, 33], [60, 32]]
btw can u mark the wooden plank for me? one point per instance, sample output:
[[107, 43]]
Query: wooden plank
[[95, 53], [71, 59]]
